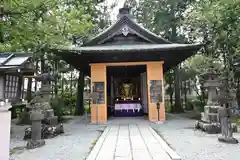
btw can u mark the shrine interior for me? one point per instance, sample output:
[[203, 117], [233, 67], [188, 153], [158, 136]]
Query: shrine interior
[[127, 91]]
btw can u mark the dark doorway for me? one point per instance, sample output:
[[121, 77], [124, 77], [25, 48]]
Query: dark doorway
[[119, 77]]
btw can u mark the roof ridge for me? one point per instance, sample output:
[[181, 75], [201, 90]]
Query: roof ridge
[[125, 19]]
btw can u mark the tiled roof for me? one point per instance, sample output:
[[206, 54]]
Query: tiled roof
[[13, 60], [130, 48]]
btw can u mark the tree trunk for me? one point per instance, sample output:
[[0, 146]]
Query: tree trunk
[[62, 85], [178, 107], [80, 89], [56, 80], [71, 85], [185, 94], [171, 94], [35, 87], [238, 93]]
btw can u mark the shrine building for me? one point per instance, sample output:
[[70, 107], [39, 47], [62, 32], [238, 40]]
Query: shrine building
[[126, 63]]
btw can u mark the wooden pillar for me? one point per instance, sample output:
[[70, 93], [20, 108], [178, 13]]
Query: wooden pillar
[[19, 88], [80, 100], [155, 72], [99, 111]]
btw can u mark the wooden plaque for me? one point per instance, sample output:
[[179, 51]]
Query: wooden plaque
[[155, 91], [98, 87]]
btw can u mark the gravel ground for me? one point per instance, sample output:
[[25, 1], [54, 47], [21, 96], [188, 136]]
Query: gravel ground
[[192, 144], [74, 144]]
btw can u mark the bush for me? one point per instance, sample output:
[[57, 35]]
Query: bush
[[168, 106], [86, 107], [69, 103], [24, 118], [17, 109], [57, 105], [197, 105]]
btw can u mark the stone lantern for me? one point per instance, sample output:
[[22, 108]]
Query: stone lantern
[[217, 96], [46, 124], [209, 118]]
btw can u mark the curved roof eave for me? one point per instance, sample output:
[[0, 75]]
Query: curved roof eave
[[129, 48]]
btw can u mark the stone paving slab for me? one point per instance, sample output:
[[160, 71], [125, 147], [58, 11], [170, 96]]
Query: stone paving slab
[[130, 142]]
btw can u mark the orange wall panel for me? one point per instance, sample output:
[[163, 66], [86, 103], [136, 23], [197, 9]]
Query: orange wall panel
[[98, 74], [155, 72]]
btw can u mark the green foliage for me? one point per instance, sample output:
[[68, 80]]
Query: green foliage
[[197, 104], [165, 15], [69, 101], [168, 107], [36, 25], [87, 107], [24, 118], [16, 109], [57, 105], [236, 119]]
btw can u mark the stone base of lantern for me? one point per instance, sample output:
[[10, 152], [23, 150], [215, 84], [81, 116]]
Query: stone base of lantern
[[212, 128], [47, 131], [35, 144], [209, 122], [228, 140]]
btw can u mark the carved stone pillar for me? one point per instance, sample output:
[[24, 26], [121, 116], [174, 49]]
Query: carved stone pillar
[[36, 137]]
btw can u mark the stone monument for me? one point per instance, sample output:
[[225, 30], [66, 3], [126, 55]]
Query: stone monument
[[226, 126], [94, 96], [225, 114], [209, 118], [5, 125]]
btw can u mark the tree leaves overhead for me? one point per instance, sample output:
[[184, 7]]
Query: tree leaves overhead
[[217, 22], [31, 25], [160, 16]]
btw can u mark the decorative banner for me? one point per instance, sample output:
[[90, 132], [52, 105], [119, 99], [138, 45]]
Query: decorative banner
[[155, 91], [99, 88]]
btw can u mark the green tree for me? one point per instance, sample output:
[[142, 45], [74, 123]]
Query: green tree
[[37, 25], [166, 17], [216, 23]]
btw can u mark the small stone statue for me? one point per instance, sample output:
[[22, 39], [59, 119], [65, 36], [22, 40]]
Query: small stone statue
[[224, 115]]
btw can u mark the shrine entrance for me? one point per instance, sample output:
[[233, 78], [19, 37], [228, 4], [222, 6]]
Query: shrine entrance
[[126, 91]]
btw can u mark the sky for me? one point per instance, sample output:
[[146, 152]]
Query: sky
[[118, 6]]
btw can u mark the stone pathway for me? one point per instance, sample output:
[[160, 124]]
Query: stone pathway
[[131, 142]]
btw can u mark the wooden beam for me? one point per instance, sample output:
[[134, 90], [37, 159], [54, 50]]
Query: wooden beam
[[125, 63]]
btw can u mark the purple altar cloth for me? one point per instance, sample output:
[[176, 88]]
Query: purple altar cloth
[[127, 101], [130, 113]]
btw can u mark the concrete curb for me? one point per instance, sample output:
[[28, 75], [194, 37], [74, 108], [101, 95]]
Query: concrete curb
[[94, 152], [170, 151]]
